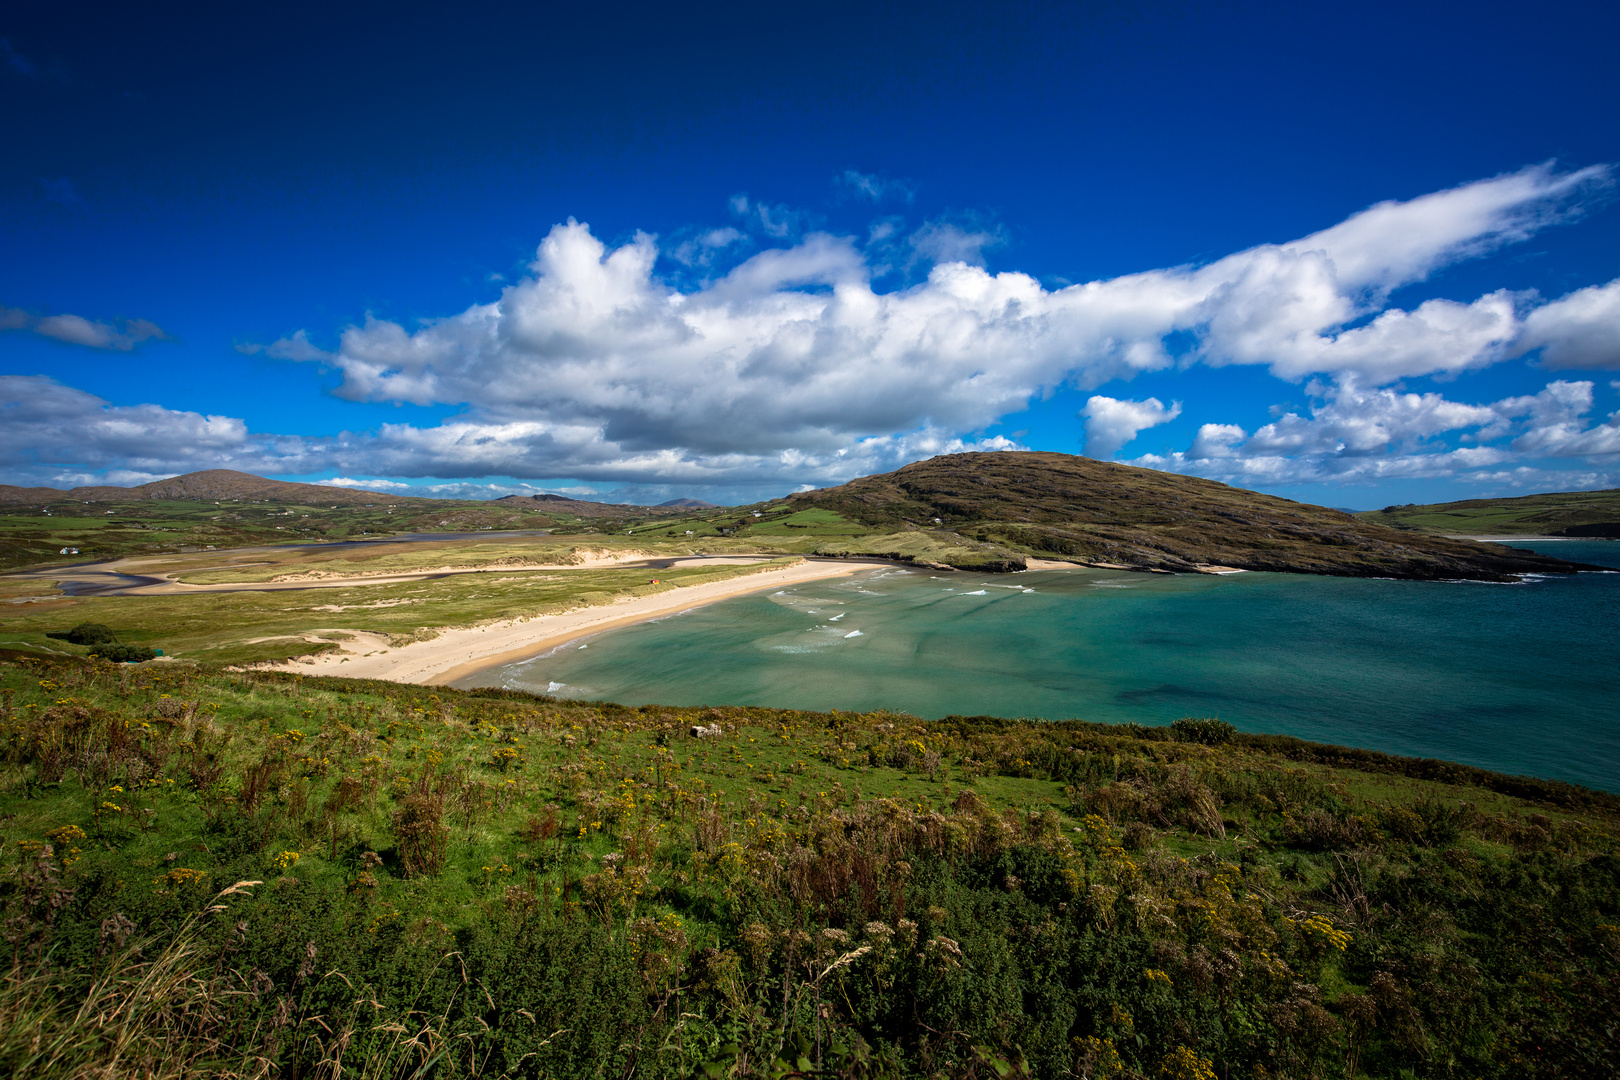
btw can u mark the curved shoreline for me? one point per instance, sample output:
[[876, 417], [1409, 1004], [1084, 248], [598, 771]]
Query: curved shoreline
[[458, 653]]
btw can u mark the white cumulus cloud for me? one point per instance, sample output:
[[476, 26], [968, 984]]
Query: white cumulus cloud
[[1111, 423], [1359, 435], [48, 431], [369, 485], [1581, 330], [1556, 423], [785, 365], [43, 423], [793, 348]]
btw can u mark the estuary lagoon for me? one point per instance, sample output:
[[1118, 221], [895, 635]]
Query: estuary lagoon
[[1518, 678]]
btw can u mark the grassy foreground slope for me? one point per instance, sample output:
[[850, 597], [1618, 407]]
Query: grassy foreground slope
[[1558, 513], [1067, 507], [490, 884]]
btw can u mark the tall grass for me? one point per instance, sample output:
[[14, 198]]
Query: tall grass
[[159, 1017]]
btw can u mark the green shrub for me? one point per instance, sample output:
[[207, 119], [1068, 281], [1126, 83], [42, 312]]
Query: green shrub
[[1209, 731], [86, 633]]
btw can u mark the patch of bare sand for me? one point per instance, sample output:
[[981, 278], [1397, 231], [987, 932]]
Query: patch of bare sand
[[578, 559], [457, 653], [1051, 564]]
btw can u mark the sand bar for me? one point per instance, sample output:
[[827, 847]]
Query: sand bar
[[133, 576], [455, 654]]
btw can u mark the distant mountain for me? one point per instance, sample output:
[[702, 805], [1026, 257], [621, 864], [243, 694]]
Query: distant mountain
[[228, 485], [1066, 507], [1557, 513], [584, 507], [210, 486], [689, 504]]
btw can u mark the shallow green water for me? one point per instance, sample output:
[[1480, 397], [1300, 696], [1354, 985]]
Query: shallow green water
[[1520, 678]]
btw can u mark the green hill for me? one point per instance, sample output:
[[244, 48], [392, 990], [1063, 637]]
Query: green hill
[[1558, 513], [222, 509], [992, 510], [215, 874]]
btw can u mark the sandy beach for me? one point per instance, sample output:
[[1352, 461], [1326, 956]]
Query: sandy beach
[[455, 654]]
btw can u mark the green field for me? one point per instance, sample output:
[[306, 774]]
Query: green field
[[816, 522], [30, 536], [35, 535], [442, 883], [1564, 513]]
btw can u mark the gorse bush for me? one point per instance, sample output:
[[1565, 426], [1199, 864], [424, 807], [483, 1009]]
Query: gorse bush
[[801, 893], [419, 828]]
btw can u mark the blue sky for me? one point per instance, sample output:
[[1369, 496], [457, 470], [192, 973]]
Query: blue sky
[[1354, 254]]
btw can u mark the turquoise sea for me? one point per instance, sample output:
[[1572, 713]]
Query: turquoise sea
[[1519, 678]]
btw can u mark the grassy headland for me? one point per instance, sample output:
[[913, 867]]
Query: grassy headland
[[1058, 506], [492, 884], [1559, 513]]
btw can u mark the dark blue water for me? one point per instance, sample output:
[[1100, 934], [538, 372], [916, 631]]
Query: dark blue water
[[1518, 678]]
